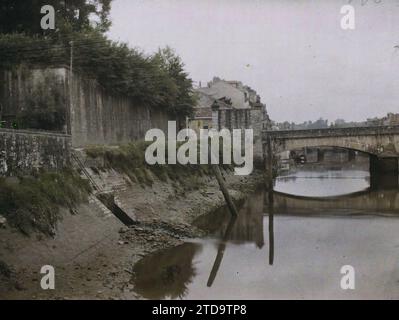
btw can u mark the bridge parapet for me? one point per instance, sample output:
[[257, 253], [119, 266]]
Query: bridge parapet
[[329, 132], [381, 141]]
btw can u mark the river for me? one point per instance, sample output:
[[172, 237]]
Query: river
[[290, 244]]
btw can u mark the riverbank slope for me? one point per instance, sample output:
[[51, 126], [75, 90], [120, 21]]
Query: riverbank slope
[[93, 252]]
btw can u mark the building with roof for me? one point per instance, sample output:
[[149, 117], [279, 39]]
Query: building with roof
[[230, 105]]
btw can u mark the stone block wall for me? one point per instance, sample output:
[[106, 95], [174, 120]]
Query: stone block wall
[[92, 116], [97, 117], [24, 152]]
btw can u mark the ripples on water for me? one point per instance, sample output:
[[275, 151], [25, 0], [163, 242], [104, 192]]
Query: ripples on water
[[311, 239]]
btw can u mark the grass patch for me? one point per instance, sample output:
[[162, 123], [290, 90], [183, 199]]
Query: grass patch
[[130, 160], [33, 203]]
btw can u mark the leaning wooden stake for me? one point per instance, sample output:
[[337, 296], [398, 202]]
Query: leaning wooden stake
[[218, 175], [223, 188]]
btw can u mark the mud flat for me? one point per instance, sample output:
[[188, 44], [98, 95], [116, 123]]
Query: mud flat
[[93, 253]]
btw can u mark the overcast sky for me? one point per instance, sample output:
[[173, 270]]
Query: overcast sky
[[294, 53]]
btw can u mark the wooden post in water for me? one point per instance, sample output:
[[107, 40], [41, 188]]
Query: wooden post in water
[[218, 175], [268, 207], [271, 227], [221, 249], [268, 163], [269, 199]]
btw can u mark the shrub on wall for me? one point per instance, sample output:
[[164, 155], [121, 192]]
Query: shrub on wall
[[155, 80]]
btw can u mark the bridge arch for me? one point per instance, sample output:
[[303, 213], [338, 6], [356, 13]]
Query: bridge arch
[[381, 143]]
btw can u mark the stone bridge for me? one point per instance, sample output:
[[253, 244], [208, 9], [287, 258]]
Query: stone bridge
[[381, 143]]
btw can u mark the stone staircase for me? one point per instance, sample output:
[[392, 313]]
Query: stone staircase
[[104, 188]]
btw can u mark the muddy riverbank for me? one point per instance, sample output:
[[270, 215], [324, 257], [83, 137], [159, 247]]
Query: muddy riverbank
[[93, 253]]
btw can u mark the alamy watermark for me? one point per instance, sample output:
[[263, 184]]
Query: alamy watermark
[[208, 143], [348, 18], [48, 280], [348, 280], [348, 21], [48, 20]]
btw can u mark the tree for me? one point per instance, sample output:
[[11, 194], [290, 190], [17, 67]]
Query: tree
[[155, 81], [172, 64], [118, 68], [71, 15]]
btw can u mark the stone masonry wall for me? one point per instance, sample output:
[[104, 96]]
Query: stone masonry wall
[[23, 152], [92, 117], [99, 118]]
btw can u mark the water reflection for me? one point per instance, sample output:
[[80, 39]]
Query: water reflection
[[167, 274], [314, 238], [247, 228], [323, 183], [269, 204], [221, 249], [270, 209], [380, 198]]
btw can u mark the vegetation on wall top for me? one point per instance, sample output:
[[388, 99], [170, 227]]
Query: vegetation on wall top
[[154, 80]]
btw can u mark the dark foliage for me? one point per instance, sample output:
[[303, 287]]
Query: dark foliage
[[71, 15], [158, 80]]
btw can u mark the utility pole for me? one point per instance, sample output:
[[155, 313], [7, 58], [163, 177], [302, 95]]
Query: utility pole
[[71, 54], [69, 112]]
